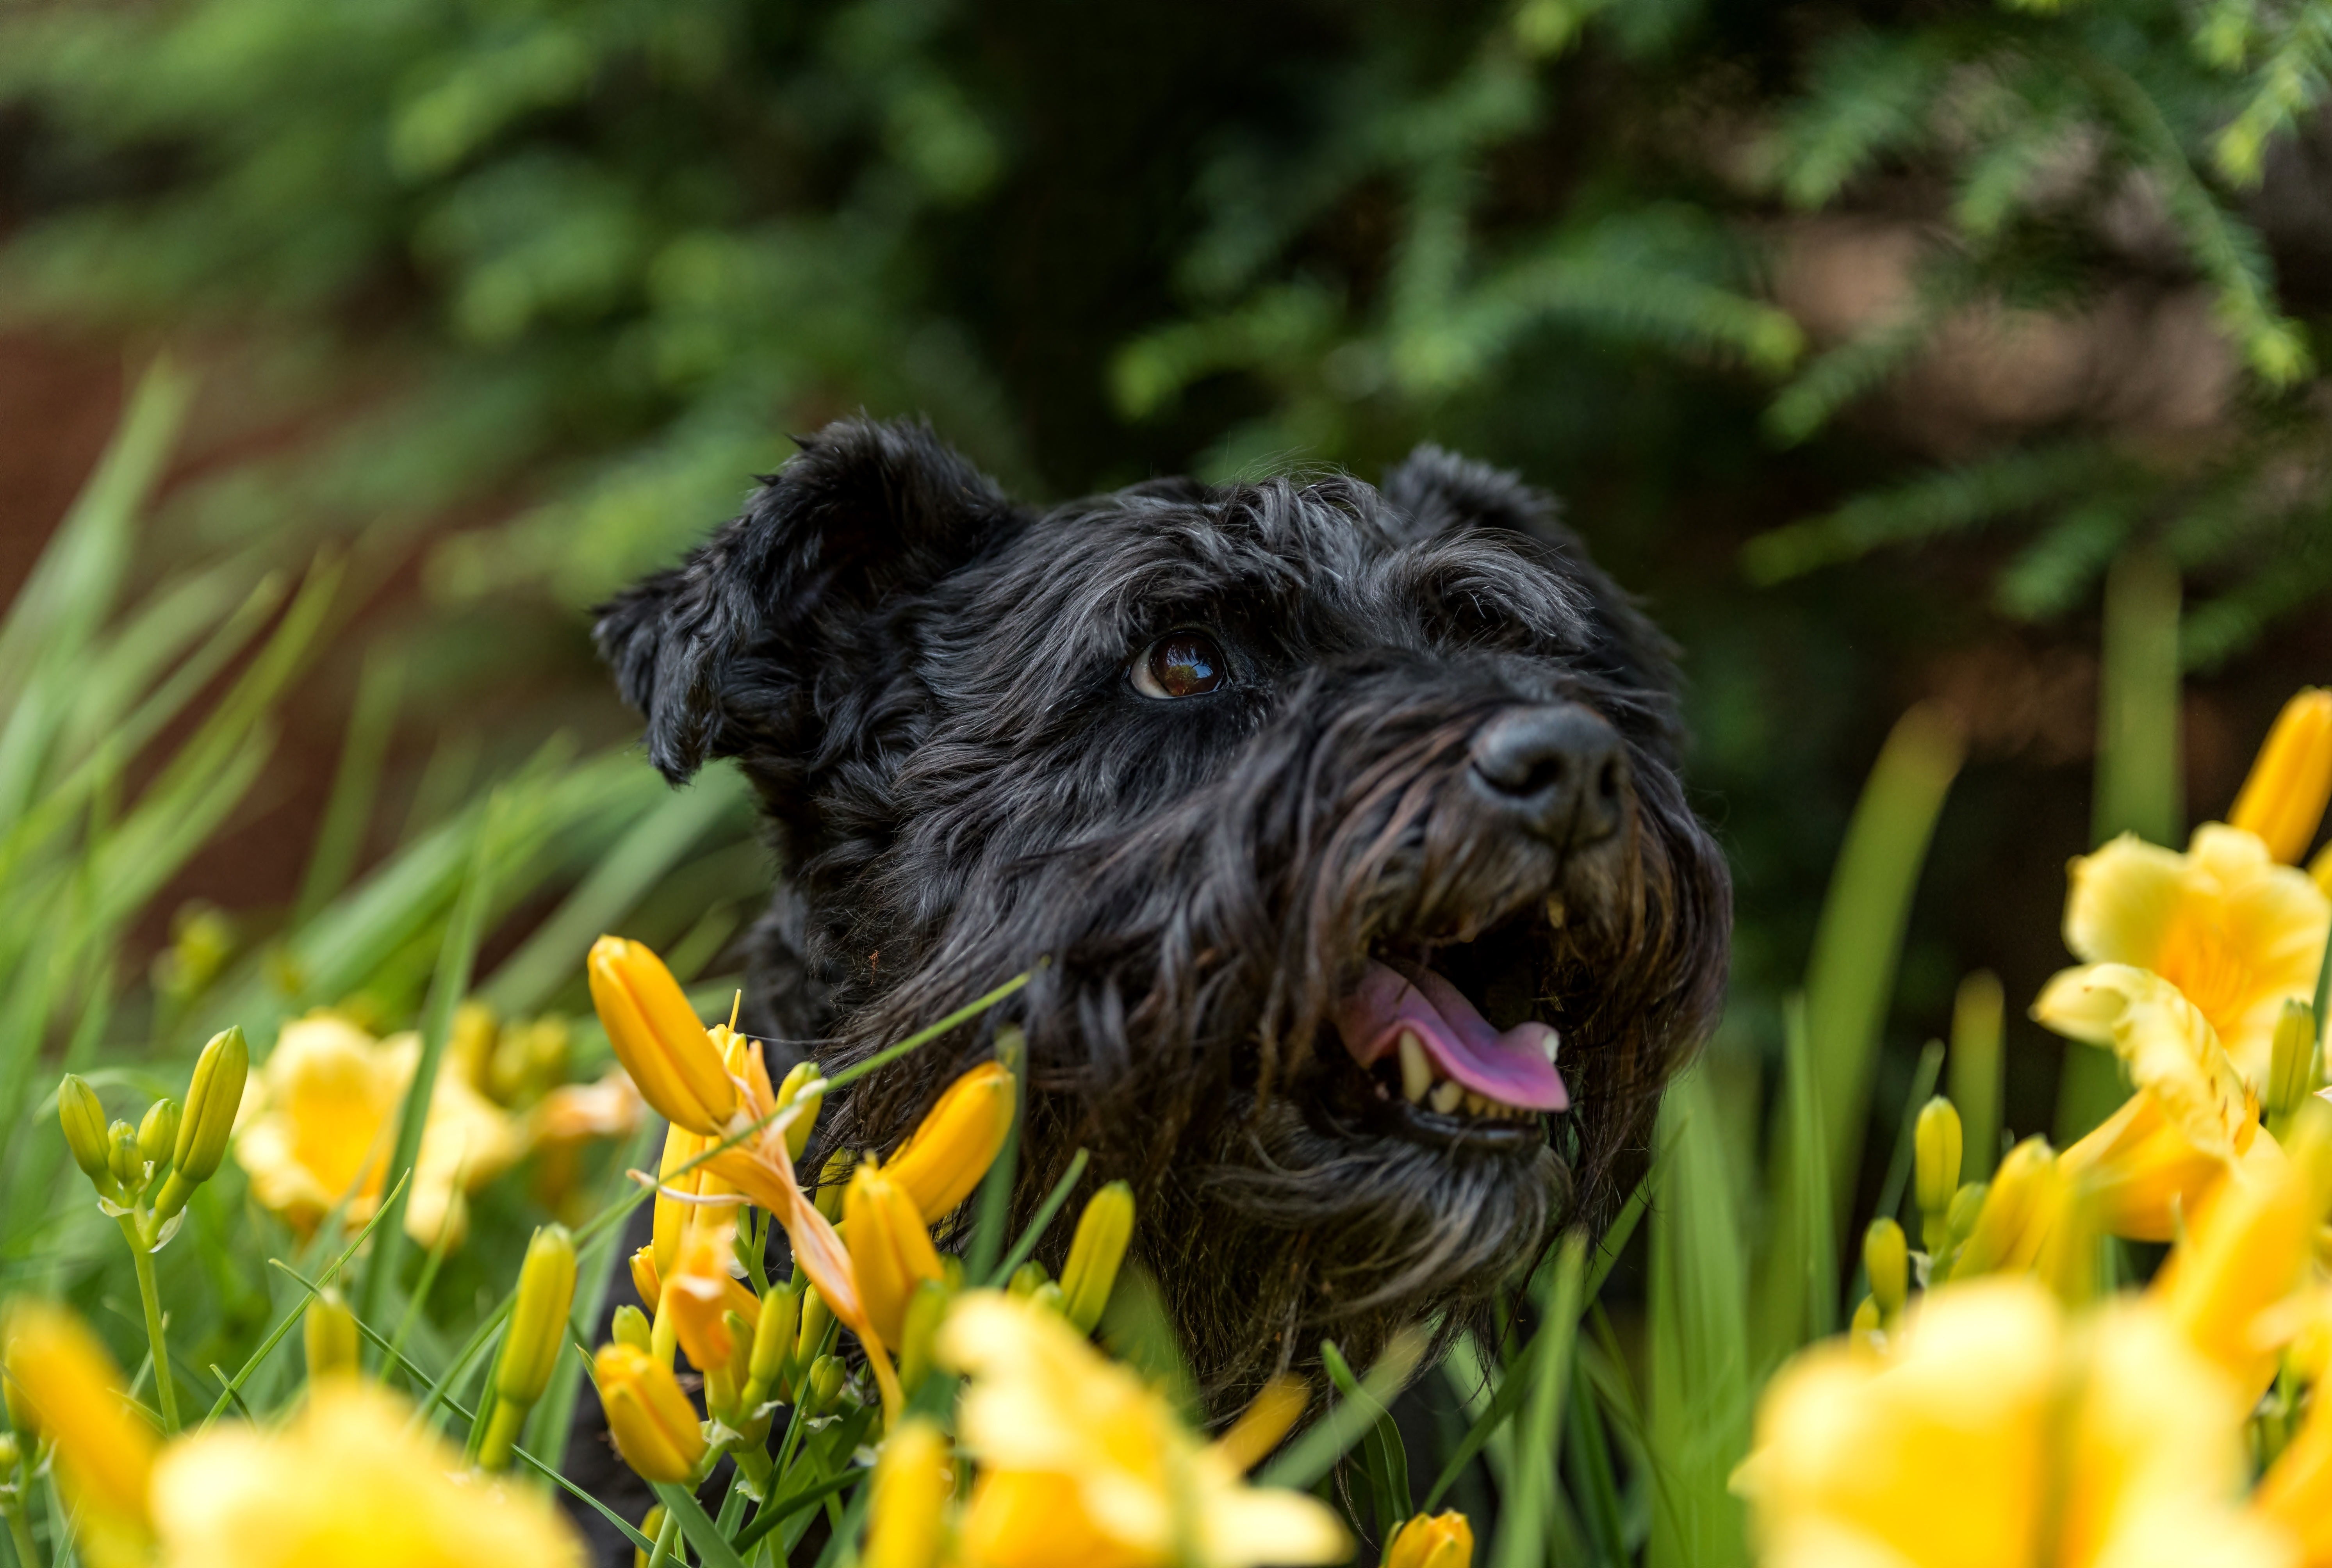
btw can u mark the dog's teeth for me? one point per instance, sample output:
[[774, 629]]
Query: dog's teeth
[[1415, 1072], [1552, 1044], [1555, 912], [1477, 1103], [1445, 1098]]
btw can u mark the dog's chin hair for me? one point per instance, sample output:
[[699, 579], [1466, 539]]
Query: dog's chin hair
[[1343, 1238]]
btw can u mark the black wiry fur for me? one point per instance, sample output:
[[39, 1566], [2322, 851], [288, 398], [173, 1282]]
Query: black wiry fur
[[928, 687]]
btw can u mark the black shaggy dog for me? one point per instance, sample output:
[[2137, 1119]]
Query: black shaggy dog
[[1341, 827]]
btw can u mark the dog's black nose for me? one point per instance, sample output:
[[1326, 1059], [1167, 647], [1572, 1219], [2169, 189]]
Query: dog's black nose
[[1561, 770]]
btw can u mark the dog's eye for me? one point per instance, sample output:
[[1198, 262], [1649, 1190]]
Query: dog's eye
[[1179, 665]]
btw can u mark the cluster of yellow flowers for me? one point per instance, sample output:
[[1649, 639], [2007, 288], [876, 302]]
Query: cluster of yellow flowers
[[2014, 1412], [1073, 1460]]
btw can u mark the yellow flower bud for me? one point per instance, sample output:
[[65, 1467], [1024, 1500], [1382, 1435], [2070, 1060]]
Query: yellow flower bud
[[1866, 1317], [1103, 1232], [645, 1278], [82, 1115], [925, 1313], [329, 1332], [1936, 1147], [12, 1454], [2291, 1063], [631, 1327], [797, 1131], [1267, 1420], [122, 1155], [654, 1427], [951, 1150], [1436, 1541], [773, 1338], [832, 1180], [212, 1100], [817, 1318], [1048, 1297], [2001, 1235], [2283, 800], [822, 1387], [157, 1134], [105, 1452], [890, 1250], [1887, 1258], [1968, 1203], [906, 1521], [658, 1037], [1028, 1280], [538, 1320], [651, 1526]]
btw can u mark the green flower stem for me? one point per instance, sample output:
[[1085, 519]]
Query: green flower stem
[[165, 1386], [666, 1539], [20, 1514]]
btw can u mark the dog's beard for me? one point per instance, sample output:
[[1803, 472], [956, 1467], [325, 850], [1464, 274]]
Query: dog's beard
[[1282, 1234]]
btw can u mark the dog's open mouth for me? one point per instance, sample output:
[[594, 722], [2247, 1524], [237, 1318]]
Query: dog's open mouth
[[1434, 1066]]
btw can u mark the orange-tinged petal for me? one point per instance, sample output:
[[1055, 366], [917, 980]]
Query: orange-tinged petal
[[2283, 799], [700, 1293]]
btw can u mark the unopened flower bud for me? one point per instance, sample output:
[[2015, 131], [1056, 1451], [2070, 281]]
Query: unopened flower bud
[[773, 1341], [658, 1037], [530, 1346], [1048, 1296], [832, 1182], [2017, 1188], [948, 1154], [105, 1453], [822, 1390], [2283, 799], [122, 1155], [925, 1313], [212, 1100], [797, 1131], [1887, 1258], [1028, 1280], [1444, 1540], [651, 1525], [2291, 1064], [631, 1327], [1966, 1204], [1866, 1317], [817, 1318], [157, 1134], [906, 1521], [82, 1115], [1936, 1147], [655, 1428], [645, 1278], [328, 1333], [890, 1249], [12, 1454], [1103, 1232]]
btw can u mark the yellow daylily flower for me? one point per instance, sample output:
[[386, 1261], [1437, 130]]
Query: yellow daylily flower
[[2236, 933], [2246, 1252], [1082, 1463], [350, 1482], [945, 1157], [1995, 1430], [316, 1121], [105, 1452], [2282, 800], [1444, 1540], [2192, 1119]]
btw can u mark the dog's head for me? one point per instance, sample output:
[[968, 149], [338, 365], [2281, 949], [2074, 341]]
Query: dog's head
[[1341, 829]]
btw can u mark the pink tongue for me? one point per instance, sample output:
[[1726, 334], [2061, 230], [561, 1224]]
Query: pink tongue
[[1511, 1066]]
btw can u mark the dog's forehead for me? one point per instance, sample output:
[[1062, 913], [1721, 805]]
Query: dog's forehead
[[1329, 551]]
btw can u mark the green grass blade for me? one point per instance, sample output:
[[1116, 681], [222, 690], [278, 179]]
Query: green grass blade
[[1976, 1067], [339, 837], [1039, 1222], [1527, 1514], [1311, 1456]]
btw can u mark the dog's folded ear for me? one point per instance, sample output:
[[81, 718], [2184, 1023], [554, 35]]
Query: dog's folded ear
[[1433, 491], [725, 652]]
